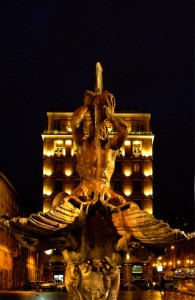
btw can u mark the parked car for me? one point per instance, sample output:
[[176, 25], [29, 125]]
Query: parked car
[[170, 284], [143, 284], [50, 285], [29, 285], [61, 287]]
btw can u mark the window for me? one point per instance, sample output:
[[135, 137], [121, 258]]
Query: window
[[58, 166], [137, 148], [57, 125], [58, 147], [136, 167], [118, 166], [58, 185], [137, 186], [117, 185]]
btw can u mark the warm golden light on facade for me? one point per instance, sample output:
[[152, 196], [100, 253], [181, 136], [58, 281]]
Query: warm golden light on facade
[[46, 208], [68, 142], [122, 151], [127, 143], [49, 251], [127, 191], [68, 172], [149, 210], [132, 169], [47, 171], [148, 173], [148, 192], [127, 172], [47, 191], [68, 190], [147, 153], [48, 152], [69, 129], [59, 142]]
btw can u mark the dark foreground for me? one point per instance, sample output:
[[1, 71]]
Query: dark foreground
[[124, 295]]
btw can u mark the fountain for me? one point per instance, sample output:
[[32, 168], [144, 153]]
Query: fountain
[[94, 226]]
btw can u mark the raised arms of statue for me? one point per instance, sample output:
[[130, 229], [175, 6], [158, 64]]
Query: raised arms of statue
[[78, 118], [101, 108]]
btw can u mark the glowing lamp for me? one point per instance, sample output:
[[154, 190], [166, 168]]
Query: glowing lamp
[[68, 191], [47, 172], [127, 192], [48, 152], [68, 172], [69, 129], [68, 142], [127, 143], [59, 142], [127, 172], [47, 191], [49, 251]]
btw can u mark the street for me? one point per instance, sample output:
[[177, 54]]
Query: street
[[124, 295]]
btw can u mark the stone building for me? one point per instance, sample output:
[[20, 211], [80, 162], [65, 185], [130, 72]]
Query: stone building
[[132, 178], [16, 263]]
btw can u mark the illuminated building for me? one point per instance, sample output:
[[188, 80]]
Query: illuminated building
[[133, 176], [17, 264]]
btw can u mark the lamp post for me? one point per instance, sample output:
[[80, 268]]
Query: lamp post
[[46, 270], [173, 255]]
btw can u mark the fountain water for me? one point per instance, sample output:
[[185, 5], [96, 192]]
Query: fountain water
[[94, 226]]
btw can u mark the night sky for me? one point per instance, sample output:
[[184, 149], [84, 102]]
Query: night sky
[[48, 54]]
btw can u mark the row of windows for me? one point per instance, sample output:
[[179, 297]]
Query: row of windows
[[64, 125], [137, 185], [136, 167], [59, 166]]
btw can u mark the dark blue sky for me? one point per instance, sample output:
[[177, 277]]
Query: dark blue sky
[[47, 60]]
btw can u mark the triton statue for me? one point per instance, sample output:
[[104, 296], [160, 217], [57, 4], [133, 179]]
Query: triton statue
[[94, 226]]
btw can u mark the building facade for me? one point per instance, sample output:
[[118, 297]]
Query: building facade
[[133, 175], [17, 264]]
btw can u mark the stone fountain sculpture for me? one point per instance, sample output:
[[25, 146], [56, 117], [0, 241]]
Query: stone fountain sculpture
[[93, 227]]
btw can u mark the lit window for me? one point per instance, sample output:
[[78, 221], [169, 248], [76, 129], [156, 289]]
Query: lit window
[[68, 142], [137, 148], [127, 143], [136, 167], [58, 147]]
